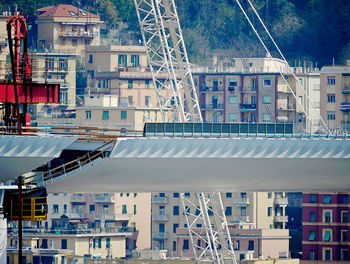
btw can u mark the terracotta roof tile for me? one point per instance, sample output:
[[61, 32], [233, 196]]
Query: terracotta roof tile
[[65, 11]]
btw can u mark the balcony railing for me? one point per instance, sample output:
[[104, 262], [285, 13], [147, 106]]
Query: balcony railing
[[78, 34], [345, 107], [281, 201], [246, 89], [242, 201], [114, 217], [160, 200], [346, 89], [212, 90], [160, 235], [104, 199], [285, 107], [247, 107], [238, 218], [280, 218], [160, 217], [345, 124], [283, 89], [212, 107], [78, 199]]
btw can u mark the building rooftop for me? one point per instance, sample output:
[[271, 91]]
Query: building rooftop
[[64, 11]]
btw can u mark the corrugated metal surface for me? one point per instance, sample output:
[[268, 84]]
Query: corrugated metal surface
[[145, 165], [20, 154]]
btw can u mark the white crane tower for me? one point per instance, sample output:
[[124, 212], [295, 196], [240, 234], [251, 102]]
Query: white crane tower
[[178, 102]]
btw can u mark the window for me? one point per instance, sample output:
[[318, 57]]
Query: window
[[327, 216], [135, 194], [176, 195], [232, 99], [330, 98], [64, 244], [99, 243], [232, 82], [91, 58], [50, 64], [331, 80], [91, 73], [312, 198], [327, 235], [267, 99], [300, 117], [266, 117], [344, 236], [344, 199], [124, 209], [267, 82], [44, 243], [186, 244], [312, 216], [187, 194], [269, 195], [130, 100], [147, 101], [251, 245], [187, 209], [327, 254], [199, 225], [269, 211], [237, 245], [147, 84], [135, 209], [88, 115], [343, 254], [327, 199], [92, 208], [74, 42], [105, 209], [228, 195], [130, 84], [55, 208], [210, 211], [243, 211], [135, 60], [105, 115], [122, 60], [197, 211], [232, 117], [174, 245], [344, 216], [64, 208], [228, 211], [108, 242], [176, 210], [312, 255], [123, 115], [312, 236], [62, 65], [174, 227]]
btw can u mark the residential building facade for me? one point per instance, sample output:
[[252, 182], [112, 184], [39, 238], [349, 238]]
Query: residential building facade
[[335, 96], [326, 227], [264, 210], [66, 27]]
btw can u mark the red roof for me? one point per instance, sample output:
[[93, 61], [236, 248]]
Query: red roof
[[64, 11]]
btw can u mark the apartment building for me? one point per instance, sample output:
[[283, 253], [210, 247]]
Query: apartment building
[[325, 227], [109, 212], [66, 27], [4, 50], [264, 210], [55, 67], [249, 90], [335, 96], [249, 242], [68, 247], [112, 59]]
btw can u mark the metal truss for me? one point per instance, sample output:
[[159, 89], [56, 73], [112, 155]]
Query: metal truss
[[168, 60], [210, 242]]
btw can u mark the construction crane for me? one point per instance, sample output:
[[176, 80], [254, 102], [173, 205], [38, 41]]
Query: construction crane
[[171, 71]]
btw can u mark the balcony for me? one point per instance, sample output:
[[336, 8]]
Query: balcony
[[245, 89], [242, 202], [280, 218], [345, 125], [160, 235], [104, 199], [283, 89], [77, 34], [285, 107], [211, 90], [212, 107], [160, 217], [114, 217], [247, 107], [281, 201], [78, 199], [238, 218], [346, 89], [345, 107], [160, 200]]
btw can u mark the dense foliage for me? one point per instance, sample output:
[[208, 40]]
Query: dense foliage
[[312, 30]]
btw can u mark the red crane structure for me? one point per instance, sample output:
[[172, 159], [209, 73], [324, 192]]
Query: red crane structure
[[22, 90]]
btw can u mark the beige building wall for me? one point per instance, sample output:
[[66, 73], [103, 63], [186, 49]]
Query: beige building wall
[[245, 207], [138, 204]]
